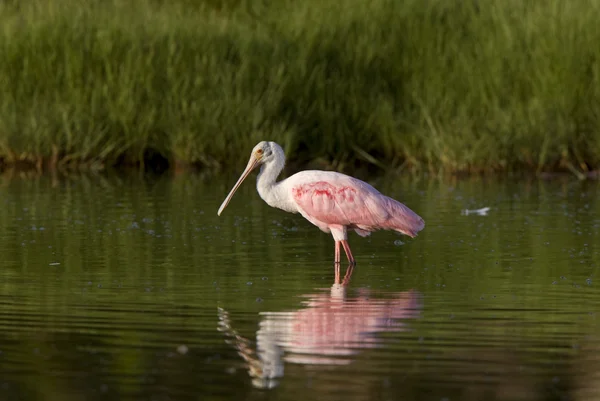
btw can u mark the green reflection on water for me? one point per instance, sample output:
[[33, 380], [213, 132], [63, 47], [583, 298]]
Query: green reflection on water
[[119, 287]]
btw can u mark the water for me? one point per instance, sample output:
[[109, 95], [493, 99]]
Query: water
[[131, 288]]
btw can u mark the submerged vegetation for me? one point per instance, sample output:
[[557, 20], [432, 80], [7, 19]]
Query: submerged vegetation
[[438, 85]]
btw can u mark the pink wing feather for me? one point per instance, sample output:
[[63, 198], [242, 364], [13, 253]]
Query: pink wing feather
[[353, 203]]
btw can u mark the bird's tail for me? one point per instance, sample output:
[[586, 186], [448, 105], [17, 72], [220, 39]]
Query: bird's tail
[[403, 219]]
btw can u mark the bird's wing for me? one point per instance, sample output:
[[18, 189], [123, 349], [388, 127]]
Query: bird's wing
[[347, 201], [344, 202]]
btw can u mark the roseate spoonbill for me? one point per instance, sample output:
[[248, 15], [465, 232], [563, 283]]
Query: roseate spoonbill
[[334, 202]]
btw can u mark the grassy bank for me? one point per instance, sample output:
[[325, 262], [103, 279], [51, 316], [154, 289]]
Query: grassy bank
[[437, 85]]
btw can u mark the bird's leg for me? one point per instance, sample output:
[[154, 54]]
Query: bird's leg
[[337, 252], [348, 252], [337, 273]]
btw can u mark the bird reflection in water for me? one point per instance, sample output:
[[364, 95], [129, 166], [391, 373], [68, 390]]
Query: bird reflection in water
[[329, 330]]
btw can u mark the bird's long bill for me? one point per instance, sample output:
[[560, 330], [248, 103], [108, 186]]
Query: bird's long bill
[[252, 163]]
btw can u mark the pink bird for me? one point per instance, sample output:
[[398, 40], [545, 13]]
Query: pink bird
[[334, 202]]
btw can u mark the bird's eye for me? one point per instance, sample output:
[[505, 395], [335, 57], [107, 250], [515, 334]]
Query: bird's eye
[[259, 151]]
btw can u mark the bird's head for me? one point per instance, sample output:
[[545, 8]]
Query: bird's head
[[264, 152]]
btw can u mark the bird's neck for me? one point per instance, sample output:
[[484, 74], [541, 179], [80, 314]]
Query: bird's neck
[[266, 184]]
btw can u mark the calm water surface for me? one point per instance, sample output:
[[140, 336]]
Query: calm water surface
[[133, 289]]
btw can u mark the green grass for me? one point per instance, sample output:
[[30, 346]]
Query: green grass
[[437, 85]]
